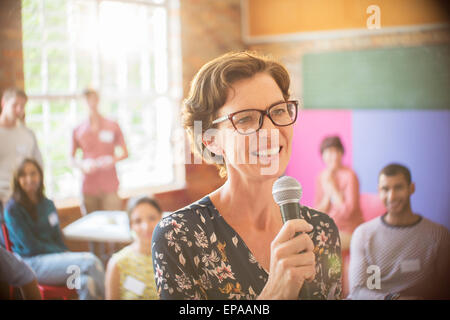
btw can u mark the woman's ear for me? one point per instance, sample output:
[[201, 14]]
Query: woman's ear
[[412, 188]]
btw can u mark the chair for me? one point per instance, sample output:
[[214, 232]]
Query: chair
[[47, 292]]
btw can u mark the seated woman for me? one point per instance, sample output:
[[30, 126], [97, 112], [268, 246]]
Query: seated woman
[[232, 244], [337, 190], [129, 274], [33, 226]]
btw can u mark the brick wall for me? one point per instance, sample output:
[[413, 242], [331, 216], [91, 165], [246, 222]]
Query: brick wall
[[290, 53], [11, 57]]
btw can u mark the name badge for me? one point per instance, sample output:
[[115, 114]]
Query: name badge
[[134, 285], [53, 219], [106, 136], [411, 265]]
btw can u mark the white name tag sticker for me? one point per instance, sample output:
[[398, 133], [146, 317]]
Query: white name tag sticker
[[411, 265], [134, 285], [106, 136], [53, 219]]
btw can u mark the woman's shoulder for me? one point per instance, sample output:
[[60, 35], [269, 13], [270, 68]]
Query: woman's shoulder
[[121, 255], [317, 218], [12, 205], [348, 172], [194, 215]]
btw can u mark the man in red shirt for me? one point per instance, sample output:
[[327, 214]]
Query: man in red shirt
[[98, 138]]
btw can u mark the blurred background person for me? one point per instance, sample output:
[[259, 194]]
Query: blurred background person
[[410, 252], [97, 137], [337, 194], [337, 190], [33, 225], [17, 141], [130, 275]]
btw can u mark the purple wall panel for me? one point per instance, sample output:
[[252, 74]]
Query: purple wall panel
[[418, 139]]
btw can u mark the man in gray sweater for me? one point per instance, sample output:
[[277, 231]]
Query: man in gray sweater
[[400, 255], [17, 142]]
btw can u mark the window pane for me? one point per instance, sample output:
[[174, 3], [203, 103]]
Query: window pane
[[32, 73], [84, 69], [58, 70], [71, 45]]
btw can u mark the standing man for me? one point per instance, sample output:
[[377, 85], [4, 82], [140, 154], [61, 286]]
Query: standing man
[[400, 255], [98, 137], [16, 140]]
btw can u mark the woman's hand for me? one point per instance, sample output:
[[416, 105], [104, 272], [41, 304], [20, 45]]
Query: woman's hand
[[292, 261], [330, 186]]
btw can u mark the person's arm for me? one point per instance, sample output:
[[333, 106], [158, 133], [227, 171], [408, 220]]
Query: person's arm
[[332, 264], [443, 265], [358, 271], [112, 280], [321, 199], [36, 153], [86, 166], [173, 262], [57, 233], [77, 163], [20, 231], [17, 273], [120, 141]]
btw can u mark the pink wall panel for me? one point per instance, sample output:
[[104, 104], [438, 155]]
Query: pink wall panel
[[311, 127]]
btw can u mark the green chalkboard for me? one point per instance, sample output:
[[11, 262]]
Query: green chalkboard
[[394, 78]]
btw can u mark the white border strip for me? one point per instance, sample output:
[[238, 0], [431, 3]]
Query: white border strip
[[325, 35]]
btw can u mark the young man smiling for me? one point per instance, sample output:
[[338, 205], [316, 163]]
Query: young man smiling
[[408, 253]]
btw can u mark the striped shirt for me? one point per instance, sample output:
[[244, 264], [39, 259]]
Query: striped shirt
[[410, 260]]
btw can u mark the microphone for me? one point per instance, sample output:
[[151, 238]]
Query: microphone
[[287, 193]]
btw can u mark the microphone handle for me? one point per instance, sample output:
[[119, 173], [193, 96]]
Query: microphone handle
[[291, 211]]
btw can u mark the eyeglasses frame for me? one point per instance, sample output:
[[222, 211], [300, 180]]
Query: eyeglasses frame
[[265, 112]]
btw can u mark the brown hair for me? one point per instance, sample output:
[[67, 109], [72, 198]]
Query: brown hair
[[394, 168], [88, 91], [133, 203], [332, 141], [210, 87], [13, 92], [19, 195]]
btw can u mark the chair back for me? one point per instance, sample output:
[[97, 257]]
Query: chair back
[[8, 243]]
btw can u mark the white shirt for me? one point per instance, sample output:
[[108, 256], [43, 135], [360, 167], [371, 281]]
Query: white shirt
[[16, 144]]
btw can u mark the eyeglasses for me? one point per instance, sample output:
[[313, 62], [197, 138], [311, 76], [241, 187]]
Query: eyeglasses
[[249, 121]]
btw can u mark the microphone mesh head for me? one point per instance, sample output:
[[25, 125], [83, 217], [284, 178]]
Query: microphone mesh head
[[286, 189]]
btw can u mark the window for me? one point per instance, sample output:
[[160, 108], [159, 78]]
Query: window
[[129, 51]]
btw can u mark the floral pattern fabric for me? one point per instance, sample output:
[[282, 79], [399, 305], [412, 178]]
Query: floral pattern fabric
[[197, 255]]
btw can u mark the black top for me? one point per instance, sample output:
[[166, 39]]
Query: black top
[[197, 255]]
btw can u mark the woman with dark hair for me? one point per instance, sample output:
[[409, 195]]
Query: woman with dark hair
[[337, 190], [129, 274], [232, 244], [33, 225]]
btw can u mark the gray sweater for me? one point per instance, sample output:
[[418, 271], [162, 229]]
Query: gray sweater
[[410, 260]]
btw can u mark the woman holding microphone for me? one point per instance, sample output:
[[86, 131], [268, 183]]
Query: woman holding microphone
[[232, 244]]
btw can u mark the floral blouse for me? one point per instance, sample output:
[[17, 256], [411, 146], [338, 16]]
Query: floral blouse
[[197, 255]]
